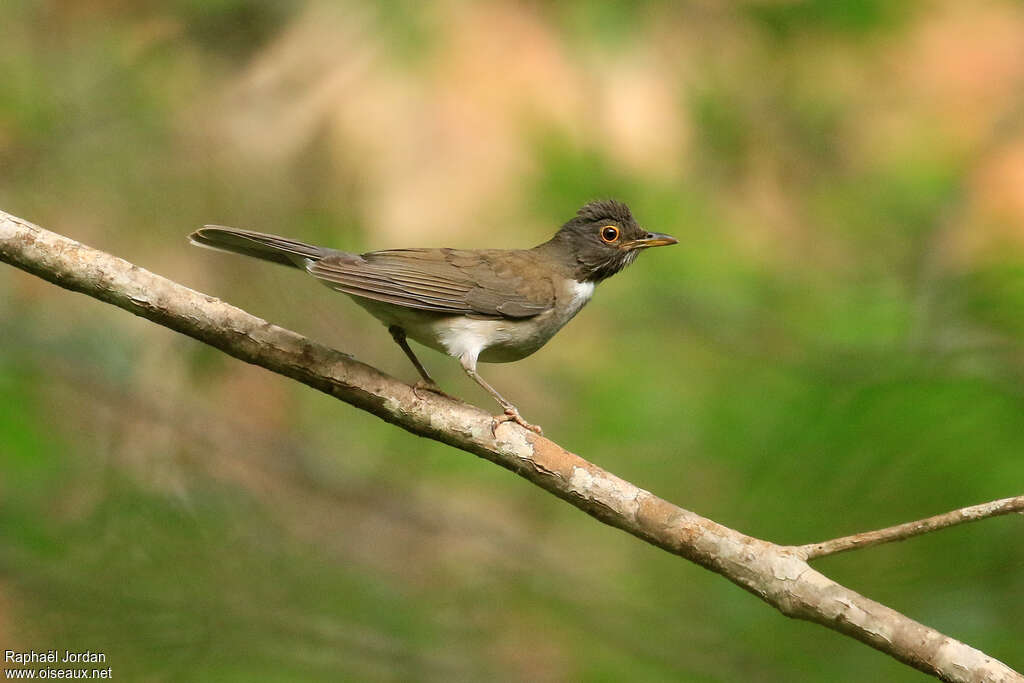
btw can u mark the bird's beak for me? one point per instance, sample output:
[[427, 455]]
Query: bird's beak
[[651, 239]]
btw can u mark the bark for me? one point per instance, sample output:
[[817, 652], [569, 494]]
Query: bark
[[901, 532]]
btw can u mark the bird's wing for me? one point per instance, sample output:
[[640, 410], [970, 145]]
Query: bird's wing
[[485, 284]]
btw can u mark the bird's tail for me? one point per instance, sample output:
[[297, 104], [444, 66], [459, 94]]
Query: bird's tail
[[258, 245]]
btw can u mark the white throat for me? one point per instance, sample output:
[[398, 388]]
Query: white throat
[[580, 295]]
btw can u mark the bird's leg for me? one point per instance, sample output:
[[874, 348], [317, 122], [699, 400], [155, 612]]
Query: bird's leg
[[511, 413], [426, 382]]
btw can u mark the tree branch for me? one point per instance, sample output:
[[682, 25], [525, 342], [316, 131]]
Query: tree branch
[[779, 575], [902, 532]]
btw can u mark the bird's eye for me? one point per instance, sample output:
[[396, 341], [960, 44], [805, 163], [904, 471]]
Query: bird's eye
[[609, 233]]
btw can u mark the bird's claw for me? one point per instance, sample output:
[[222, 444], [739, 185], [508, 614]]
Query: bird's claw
[[423, 385], [512, 415]]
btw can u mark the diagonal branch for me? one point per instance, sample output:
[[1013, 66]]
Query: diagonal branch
[[779, 575], [902, 532]]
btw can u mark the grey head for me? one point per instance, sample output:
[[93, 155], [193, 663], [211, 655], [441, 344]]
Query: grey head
[[602, 239]]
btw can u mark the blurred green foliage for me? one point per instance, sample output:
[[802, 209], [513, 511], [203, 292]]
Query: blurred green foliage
[[860, 17], [835, 344]]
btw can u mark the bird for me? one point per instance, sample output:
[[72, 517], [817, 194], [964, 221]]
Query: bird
[[476, 305]]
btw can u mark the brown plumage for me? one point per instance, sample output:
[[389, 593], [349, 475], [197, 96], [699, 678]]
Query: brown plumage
[[489, 304], [484, 284]]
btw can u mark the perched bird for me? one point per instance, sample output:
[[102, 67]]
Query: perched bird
[[489, 305]]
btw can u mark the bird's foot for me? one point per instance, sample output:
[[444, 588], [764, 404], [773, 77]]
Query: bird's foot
[[512, 415], [431, 386]]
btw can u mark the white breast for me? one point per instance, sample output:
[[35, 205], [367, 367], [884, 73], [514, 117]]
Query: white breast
[[580, 293]]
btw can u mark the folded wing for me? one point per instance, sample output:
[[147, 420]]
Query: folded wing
[[486, 284]]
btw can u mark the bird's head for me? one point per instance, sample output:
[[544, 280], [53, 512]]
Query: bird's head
[[603, 238]]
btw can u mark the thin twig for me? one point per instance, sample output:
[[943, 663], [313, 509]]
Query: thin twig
[[902, 532], [779, 575]]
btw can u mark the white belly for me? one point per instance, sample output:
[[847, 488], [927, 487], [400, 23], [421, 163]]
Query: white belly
[[491, 341]]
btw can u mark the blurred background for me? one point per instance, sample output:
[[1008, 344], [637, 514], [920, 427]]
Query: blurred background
[[836, 344]]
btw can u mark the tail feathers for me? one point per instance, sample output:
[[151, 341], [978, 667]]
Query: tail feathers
[[258, 245]]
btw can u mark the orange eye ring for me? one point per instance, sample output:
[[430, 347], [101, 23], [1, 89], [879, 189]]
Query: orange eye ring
[[609, 234]]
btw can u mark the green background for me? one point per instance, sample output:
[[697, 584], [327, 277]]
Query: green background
[[836, 344]]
